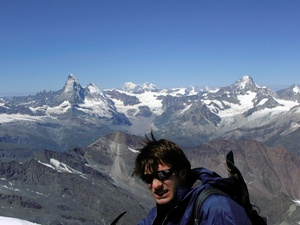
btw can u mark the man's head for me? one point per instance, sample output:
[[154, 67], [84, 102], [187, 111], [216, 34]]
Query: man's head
[[163, 166]]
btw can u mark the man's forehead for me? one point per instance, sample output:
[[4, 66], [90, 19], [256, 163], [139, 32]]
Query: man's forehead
[[153, 168]]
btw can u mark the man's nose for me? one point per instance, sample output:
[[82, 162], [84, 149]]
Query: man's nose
[[157, 184]]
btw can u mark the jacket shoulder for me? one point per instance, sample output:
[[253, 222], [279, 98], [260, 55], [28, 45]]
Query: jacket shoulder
[[222, 210], [148, 220]]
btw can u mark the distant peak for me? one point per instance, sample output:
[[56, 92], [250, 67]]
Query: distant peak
[[92, 88], [137, 88], [245, 82], [129, 86], [296, 89], [72, 77], [72, 80], [149, 86], [72, 84], [91, 85], [246, 79]]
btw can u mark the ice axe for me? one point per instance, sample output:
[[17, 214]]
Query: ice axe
[[118, 218]]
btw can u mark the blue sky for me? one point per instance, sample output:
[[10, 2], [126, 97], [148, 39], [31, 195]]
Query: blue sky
[[169, 43]]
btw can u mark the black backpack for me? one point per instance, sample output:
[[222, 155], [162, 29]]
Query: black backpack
[[241, 195]]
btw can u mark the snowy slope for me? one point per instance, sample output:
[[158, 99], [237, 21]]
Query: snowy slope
[[14, 221]]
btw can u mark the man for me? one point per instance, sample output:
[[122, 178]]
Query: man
[[163, 166]]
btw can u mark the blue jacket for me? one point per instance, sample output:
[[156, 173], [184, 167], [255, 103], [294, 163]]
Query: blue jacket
[[216, 210]]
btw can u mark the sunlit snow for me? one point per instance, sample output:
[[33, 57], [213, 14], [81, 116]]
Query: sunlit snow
[[297, 201], [14, 221], [186, 108], [235, 109], [263, 101], [91, 106], [147, 98], [296, 89], [61, 167], [93, 88], [129, 86], [10, 188], [60, 109], [133, 150], [6, 118], [246, 102]]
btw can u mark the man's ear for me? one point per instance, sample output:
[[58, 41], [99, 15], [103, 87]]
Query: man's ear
[[182, 174]]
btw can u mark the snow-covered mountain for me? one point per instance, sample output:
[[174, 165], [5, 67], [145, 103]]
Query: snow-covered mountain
[[189, 115], [291, 93], [243, 110], [72, 100]]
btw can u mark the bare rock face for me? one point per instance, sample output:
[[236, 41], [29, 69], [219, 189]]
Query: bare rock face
[[114, 155], [272, 174], [62, 188], [93, 185]]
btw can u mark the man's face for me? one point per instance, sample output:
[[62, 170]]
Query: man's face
[[163, 191]]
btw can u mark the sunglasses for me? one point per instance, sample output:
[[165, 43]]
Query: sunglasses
[[159, 175]]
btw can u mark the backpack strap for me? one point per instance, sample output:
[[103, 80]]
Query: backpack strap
[[200, 200]]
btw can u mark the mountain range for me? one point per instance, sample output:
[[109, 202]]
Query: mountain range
[[56, 120], [67, 155]]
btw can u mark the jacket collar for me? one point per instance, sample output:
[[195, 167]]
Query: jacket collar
[[207, 177]]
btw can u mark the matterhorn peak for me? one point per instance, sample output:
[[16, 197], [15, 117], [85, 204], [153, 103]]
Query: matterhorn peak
[[72, 77], [245, 83], [73, 90], [71, 82]]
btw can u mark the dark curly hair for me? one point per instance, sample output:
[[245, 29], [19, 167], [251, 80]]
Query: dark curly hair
[[156, 152]]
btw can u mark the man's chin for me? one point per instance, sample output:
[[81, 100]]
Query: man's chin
[[163, 201]]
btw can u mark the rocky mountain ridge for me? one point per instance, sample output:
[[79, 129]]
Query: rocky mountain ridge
[[92, 185], [243, 110], [70, 188]]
